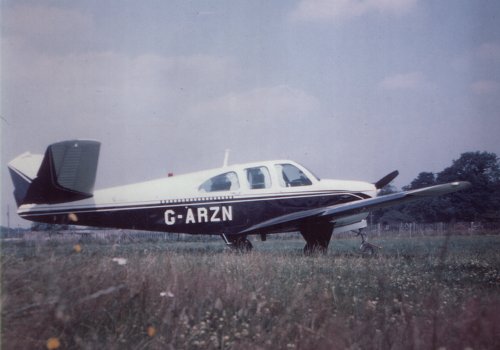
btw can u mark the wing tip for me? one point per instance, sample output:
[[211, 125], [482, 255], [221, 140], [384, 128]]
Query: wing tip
[[461, 185], [442, 189]]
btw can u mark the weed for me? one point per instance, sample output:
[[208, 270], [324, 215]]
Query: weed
[[188, 295]]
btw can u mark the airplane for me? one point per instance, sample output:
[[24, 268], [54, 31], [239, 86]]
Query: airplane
[[233, 201]]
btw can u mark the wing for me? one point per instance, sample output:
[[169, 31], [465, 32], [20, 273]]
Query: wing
[[338, 212]]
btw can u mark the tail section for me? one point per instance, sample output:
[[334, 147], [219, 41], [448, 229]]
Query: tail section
[[65, 173], [23, 170]]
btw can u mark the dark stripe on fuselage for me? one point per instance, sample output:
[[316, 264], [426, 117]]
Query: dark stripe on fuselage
[[189, 201], [210, 217]]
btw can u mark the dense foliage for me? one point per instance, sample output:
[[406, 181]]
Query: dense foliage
[[481, 202]]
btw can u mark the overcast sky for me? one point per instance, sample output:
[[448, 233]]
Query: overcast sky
[[352, 89]]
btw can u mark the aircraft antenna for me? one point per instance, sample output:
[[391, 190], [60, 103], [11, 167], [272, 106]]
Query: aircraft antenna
[[226, 158]]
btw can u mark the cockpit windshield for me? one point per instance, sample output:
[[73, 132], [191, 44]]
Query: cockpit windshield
[[291, 176]]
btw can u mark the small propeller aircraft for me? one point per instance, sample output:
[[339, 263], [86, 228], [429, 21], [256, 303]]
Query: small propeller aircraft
[[233, 201]]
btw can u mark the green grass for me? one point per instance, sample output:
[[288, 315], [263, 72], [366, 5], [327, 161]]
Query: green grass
[[416, 293]]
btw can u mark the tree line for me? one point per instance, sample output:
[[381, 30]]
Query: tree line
[[481, 202]]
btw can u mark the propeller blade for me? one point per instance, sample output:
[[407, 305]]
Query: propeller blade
[[386, 180]]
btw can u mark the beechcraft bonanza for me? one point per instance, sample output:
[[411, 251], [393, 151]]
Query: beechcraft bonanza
[[233, 201]]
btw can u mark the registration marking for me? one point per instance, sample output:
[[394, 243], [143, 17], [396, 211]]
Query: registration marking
[[187, 215]]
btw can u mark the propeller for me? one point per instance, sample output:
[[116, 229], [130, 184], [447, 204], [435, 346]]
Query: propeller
[[386, 180]]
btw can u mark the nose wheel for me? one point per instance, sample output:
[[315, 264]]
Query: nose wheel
[[366, 247]]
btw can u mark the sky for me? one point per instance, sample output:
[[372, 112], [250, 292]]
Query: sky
[[352, 89]]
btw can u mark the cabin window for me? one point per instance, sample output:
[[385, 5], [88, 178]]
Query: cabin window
[[291, 176], [258, 178], [223, 182]]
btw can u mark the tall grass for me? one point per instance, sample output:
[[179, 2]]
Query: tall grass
[[176, 295]]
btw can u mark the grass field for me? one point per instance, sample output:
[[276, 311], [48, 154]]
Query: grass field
[[417, 293]]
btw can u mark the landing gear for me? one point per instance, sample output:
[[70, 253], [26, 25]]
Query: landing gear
[[317, 238], [365, 247], [315, 248], [239, 244]]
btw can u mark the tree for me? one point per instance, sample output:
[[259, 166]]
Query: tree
[[424, 179], [378, 214], [477, 167], [482, 201], [422, 211]]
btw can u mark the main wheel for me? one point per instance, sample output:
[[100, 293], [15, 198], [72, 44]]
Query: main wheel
[[245, 245], [242, 245]]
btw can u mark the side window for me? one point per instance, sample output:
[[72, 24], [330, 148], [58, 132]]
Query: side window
[[258, 178], [223, 182], [291, 176]]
